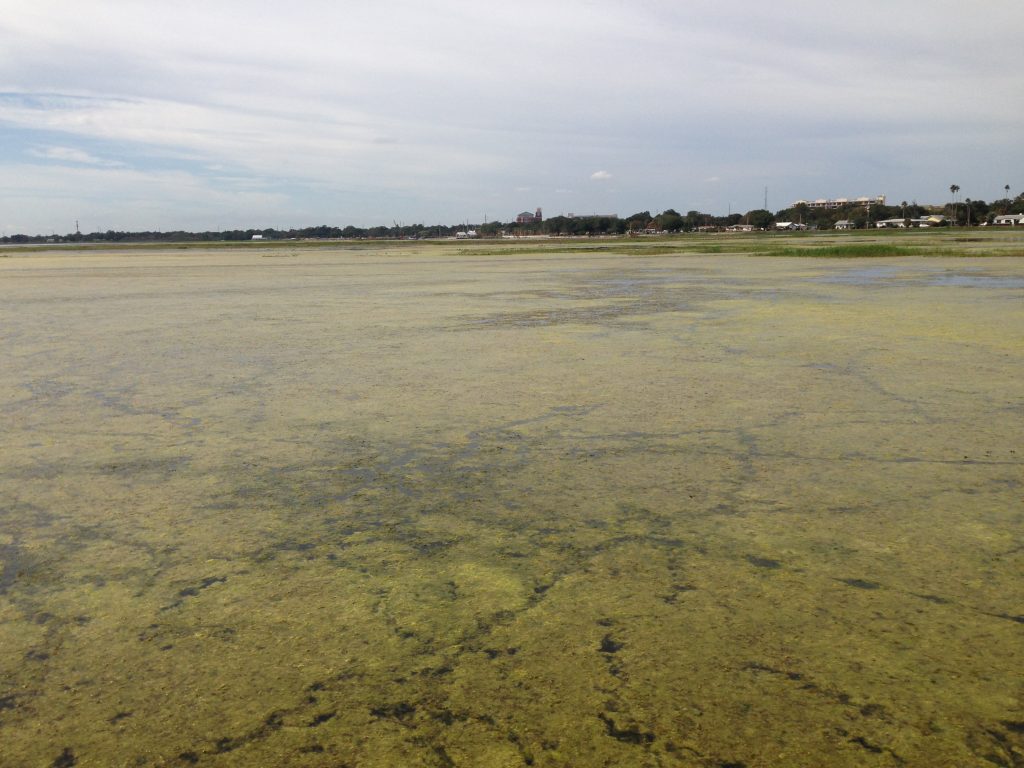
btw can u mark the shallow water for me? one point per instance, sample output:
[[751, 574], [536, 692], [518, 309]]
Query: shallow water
[[412, 507]]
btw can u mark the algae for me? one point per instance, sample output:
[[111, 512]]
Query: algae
[[556, 509]]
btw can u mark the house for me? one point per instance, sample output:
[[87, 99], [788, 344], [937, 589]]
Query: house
[[900, 223], [1009, 219], [844, 224], [740, 228], [791, 226], [257, 237]]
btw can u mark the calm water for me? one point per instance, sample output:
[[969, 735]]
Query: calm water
[[426, 508]]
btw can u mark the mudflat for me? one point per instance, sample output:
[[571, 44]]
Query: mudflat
[[456, 505]]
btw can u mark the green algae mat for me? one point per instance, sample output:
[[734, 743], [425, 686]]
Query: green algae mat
[[438, 506]]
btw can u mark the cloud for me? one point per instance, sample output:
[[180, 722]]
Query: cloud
[[319, 145], [414, 119], [71, 155]]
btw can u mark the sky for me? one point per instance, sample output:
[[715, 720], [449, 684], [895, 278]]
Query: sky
[[222, 114]]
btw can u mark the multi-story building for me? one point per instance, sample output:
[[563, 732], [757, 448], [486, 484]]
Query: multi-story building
[[840, 202], [529, 218]]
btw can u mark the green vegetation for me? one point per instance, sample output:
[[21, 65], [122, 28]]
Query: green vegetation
[[990, 241], [968, 212], [408, 506], [847, 251]]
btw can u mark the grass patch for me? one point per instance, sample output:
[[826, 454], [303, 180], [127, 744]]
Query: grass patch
[[562, 248], [881, 250], [822, 244], [845, 251]]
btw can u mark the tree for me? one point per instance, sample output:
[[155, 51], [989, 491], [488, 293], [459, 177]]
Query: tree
[[760, 218], [638, 221], [953, 189], [669, 221]]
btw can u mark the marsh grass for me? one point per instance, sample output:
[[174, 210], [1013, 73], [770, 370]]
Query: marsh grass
[[844, 251], [823, 244], [881, 250]]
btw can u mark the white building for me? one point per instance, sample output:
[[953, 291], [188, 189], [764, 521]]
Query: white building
[[839, 202], [927, 221], [1009, 219]]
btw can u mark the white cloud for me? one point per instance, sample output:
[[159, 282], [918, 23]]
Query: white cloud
[[70, 155], [398, 109], [342, 144]]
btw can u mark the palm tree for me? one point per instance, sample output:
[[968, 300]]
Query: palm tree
[[953, 189], [968, 201]]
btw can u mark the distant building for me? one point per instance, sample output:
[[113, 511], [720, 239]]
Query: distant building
[[740, 228], [927, 221], [469, 234], [529, 218], [791, 226], [592, 216], [839, 202], [257, 237], [1009, 220], [844, 224]]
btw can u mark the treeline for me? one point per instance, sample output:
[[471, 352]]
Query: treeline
[[964, 213], [967, 212], [578, 226]]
